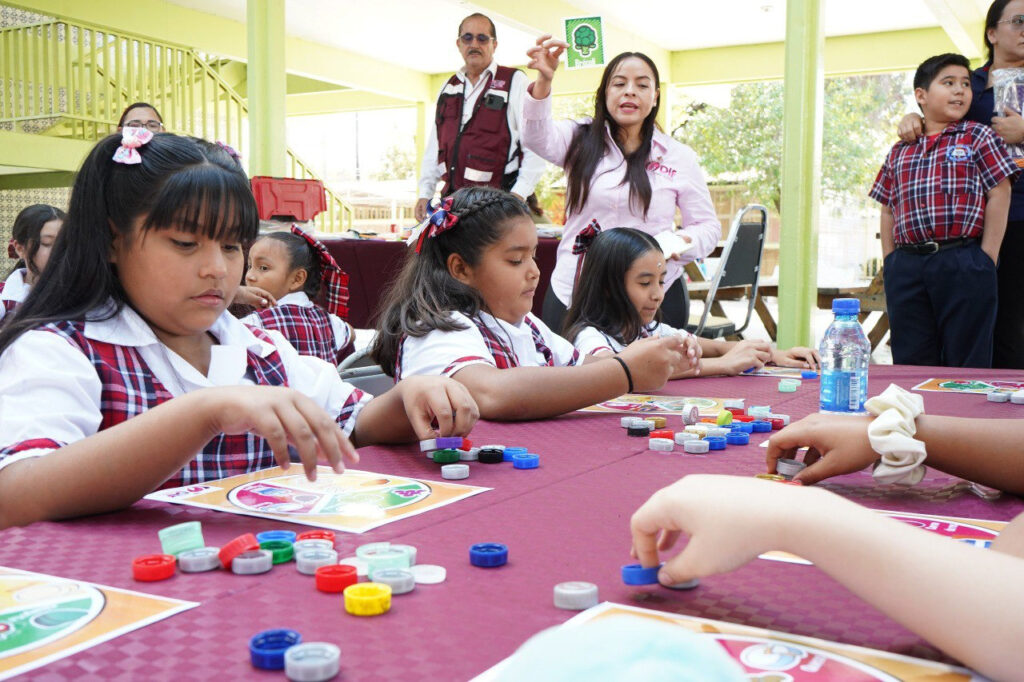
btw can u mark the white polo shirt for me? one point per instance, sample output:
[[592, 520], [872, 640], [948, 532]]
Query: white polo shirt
[[591, 340]]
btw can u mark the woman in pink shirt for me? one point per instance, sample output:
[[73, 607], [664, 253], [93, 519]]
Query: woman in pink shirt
[[622, 171]]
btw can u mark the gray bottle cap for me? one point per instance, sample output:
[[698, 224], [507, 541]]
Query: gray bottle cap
[[252, 562], [199, 560], [312, 662], [575, 595], [308, 560], [398, 579]]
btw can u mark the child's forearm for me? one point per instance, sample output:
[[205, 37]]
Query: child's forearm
[[714, 348], [539, 392], [947, 439], [997, 208], [110, 469], [900, 570]]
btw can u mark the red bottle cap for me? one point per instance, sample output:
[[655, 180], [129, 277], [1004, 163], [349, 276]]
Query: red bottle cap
[[662, 433], [152, 567], [776, 424], [335, 577], [243, 543], [315, 535]]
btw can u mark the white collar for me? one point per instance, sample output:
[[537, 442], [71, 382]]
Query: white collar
[[127, 328], [296, 298], [492, 68], [15, 288], [492, 321]]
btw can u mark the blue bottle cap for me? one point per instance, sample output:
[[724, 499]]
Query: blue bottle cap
[[715, 442], [509, 453], [526, 461], [737, 437], [760, 426], [488, 554], [845, 306], [745, 427], [635, 574], [808, 374], [272, 535], [266, 649]]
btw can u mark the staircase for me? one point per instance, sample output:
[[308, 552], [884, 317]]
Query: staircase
[[72, 80]]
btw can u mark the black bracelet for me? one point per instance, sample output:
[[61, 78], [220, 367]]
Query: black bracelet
[[625, 368]]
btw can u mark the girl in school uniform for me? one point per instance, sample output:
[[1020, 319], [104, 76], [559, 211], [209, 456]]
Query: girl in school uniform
[[461, 308], [32, 237], [618, 300], [122, 371], [293, 267]]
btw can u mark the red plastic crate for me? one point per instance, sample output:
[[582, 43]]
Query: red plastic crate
[[288, 198]]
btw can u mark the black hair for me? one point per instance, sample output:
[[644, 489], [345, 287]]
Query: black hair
[[301, 255], [992, 19], [600, 299], [424, 294], [26, 230], [589, 145], [137, 105], [182, 182], [478, 15], [931, 67]]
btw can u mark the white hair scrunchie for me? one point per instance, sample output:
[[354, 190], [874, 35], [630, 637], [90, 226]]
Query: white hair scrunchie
[[892, 436]]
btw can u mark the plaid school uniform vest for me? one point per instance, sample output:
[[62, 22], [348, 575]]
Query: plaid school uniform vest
[[308, 328], [129, 389], [9, 306]]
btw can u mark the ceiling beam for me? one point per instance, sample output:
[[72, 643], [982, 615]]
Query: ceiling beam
[[963, 22]]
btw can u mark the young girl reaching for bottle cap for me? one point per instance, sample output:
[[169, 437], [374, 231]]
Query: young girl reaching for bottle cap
[[618, 300], [908, 573], [122, 372], [461, 308], [293, 267], [32, 237]]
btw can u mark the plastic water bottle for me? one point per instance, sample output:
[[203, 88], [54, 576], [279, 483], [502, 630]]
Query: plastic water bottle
[[845, 353]]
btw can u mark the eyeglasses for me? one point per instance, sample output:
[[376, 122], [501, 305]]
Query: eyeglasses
[[481, 38], [1016, 21], [152, 126]]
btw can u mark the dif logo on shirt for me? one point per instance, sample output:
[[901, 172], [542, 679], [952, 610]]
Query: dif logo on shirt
[[657, 167], [959, 153]]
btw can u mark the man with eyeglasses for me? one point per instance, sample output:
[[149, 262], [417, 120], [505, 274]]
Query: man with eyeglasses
[[475, 139]]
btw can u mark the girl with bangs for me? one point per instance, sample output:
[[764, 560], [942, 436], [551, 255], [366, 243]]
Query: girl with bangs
[[122, 371]]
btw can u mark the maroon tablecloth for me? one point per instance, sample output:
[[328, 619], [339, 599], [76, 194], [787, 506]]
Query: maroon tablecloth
[[567, 520], [372, 264]]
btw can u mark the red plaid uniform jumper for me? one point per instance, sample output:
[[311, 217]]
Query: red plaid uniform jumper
[[129, 389], [308, 328]]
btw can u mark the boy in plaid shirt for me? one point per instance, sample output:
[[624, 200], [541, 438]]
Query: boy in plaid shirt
[[945, 199]]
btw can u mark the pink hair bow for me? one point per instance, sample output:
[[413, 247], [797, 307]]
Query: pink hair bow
[[230, 151], [441, 220], [131, 140]]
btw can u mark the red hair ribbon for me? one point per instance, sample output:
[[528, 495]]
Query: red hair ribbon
[[11, 253], [334, 278], [441, 220], [582, 244]]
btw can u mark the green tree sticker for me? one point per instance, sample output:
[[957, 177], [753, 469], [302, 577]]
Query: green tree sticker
[[584, 39]]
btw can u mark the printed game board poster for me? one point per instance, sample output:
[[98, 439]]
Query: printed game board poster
[[44, 618], [769, 656], [641, 404], [586, 42], [352, 502], [979, 386], [974, 532], [776, 372]]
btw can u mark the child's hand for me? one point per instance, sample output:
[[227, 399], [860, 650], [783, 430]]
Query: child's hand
[[730, 521], [254, 296], [544, 56], [746, 354], [836, 445], [430, 399], [284, 417], [652, 361], [797, 356]]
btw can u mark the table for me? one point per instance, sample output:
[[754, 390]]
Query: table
[[567, 520], [373, 263]]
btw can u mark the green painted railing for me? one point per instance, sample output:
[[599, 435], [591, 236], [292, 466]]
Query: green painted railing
[[69, 79]]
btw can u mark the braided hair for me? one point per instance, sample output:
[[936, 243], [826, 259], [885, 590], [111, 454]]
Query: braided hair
[[424, 294]]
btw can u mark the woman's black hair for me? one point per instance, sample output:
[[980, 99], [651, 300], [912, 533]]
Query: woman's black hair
[[589, 145], [301, 255], [27, 227], [137, 105], [424, 294], [182, 182], [992, 18], [600, 299]]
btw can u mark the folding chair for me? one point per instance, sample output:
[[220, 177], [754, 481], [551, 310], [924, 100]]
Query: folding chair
[[361, 371], [740, 267]]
